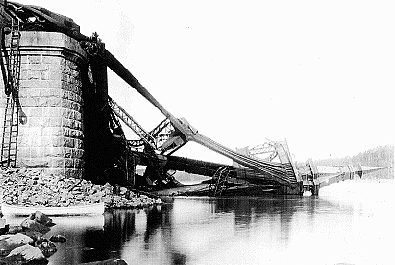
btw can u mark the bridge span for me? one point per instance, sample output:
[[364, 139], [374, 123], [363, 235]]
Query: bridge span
[[107, 151]]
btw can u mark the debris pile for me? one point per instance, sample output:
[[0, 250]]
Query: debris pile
[[31, 187]]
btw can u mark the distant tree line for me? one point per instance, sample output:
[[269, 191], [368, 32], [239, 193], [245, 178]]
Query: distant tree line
[[382, 156]]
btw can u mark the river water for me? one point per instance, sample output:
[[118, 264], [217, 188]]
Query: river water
[[349, 223]]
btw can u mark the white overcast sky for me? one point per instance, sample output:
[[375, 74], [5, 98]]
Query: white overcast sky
[[318, 73]]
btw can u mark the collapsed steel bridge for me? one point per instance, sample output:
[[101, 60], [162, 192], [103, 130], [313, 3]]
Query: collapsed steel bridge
[[154, 149]]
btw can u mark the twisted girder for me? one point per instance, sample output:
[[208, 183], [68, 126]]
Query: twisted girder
[[161, 127], [276, 171], [219, 181], [268, 149], [163, 138], [131, 123], [167, 137]]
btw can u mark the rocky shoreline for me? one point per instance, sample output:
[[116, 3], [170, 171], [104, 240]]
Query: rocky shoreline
[[26, 243], [31, 187]]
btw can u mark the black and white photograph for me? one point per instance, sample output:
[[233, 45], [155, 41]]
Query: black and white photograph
[[197, 132]]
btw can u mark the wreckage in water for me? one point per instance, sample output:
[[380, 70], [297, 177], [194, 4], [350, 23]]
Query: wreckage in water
[[240, 180], [100, 149]]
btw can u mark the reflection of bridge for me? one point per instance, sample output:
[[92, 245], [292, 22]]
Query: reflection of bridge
[[154, 149]]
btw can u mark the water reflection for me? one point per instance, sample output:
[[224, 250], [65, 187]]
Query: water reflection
[[265, 230]]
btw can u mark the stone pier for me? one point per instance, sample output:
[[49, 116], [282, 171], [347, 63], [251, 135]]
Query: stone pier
[[50, 93]]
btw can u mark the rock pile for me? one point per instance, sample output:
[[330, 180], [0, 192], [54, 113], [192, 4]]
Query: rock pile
[[30, 187], [25, 242]]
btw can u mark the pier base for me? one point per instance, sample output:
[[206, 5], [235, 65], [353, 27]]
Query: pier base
[[50, 94]]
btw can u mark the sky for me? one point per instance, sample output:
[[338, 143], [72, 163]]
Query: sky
[[319, 74]]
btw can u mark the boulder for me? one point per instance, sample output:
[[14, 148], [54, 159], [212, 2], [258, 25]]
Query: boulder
[[3, 226], [57, 238], [27, 252], [32, 234], [41, 218], [47, 248], [33, 225], [10, 242], [14, 229]]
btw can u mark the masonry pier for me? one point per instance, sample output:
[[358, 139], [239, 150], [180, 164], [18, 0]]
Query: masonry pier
[[50, 95]]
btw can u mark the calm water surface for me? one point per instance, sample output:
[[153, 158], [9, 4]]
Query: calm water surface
[[349, 223]]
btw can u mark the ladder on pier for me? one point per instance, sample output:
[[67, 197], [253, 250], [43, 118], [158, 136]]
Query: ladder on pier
[[11, 112], [10, 134]]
